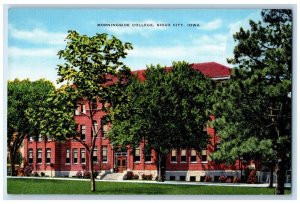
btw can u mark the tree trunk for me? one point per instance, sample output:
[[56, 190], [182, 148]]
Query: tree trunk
[[160, 167], [93, 187], [12, 163], [280, 178], [271, 177]]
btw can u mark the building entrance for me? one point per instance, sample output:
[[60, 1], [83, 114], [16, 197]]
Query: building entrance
[[120, 160], [121, 164]]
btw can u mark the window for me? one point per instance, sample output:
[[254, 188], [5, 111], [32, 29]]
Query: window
[[39, 156], [104, 154], [183, 155], [137, 155], [83, 110], [148, 158], [104, 130], [75, 156], [31, 138], [193, 155], [82, 132], [82, 156], [95, 124], [174, 155], [77, 110], [30, 156], [95, 153], [67, 156], [204, 155], [182, 178], [192, 178], [80, 109], [172, 178], [40, 138], [48, 156]]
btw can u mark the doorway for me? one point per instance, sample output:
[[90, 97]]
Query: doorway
[[121, 164]]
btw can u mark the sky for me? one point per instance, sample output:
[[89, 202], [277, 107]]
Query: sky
[[35, 35]]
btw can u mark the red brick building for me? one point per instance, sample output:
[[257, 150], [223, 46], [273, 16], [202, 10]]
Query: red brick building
[[70, 157]]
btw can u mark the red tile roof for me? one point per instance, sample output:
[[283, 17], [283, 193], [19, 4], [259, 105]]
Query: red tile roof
[[209, 69], [212, 69]]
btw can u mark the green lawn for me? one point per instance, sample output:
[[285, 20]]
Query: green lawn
[[41, 186]]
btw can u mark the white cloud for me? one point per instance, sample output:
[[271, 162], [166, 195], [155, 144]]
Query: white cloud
[[37, 36], [133, 27], [203, 45], [14, 52], [211, 25], [201, 49]]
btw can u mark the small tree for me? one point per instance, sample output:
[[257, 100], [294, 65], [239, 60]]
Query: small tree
[[167, 110], [93, 72]]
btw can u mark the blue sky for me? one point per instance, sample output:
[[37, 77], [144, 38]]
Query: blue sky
[[36, 35]]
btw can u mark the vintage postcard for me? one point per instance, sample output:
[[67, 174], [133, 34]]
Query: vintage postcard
[[149, 101]]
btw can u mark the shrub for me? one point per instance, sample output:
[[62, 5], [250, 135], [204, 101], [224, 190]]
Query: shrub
[[252, 177], [135, 176], [129, 175], [86, 174], [78, 174], [147, 177], [42, 174], [27, 170], [95, 173], [207, 179], [236, 180], [223, 179], [35, 174], [228, 180]]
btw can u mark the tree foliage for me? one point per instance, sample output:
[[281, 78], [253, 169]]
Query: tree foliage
[[167, 110], [253, 108], [93, 71], [22, 95]]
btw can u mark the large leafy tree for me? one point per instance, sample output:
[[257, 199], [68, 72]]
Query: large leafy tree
[[253, 109], [22, 95], [167, 110], [93, 69]]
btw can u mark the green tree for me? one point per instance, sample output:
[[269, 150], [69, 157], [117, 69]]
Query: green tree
[[22, 95], [253, 109], [167, 110], [93, 69]]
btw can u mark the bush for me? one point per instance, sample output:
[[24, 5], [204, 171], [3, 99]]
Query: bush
[[79, 174], [135, 176], [42, 174], [207, 179], [252, 177], [35, 174], [147, 177], [223, 179], [27, 170], [86, 174], [228, 180], [95, 173], [129, 175]]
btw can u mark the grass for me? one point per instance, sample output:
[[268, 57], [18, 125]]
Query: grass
[[41, 186]]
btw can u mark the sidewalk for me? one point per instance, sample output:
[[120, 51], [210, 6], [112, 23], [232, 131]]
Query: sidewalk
[[263, 185]]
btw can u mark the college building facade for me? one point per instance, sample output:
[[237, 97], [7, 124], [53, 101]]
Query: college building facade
[[68, 158]]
